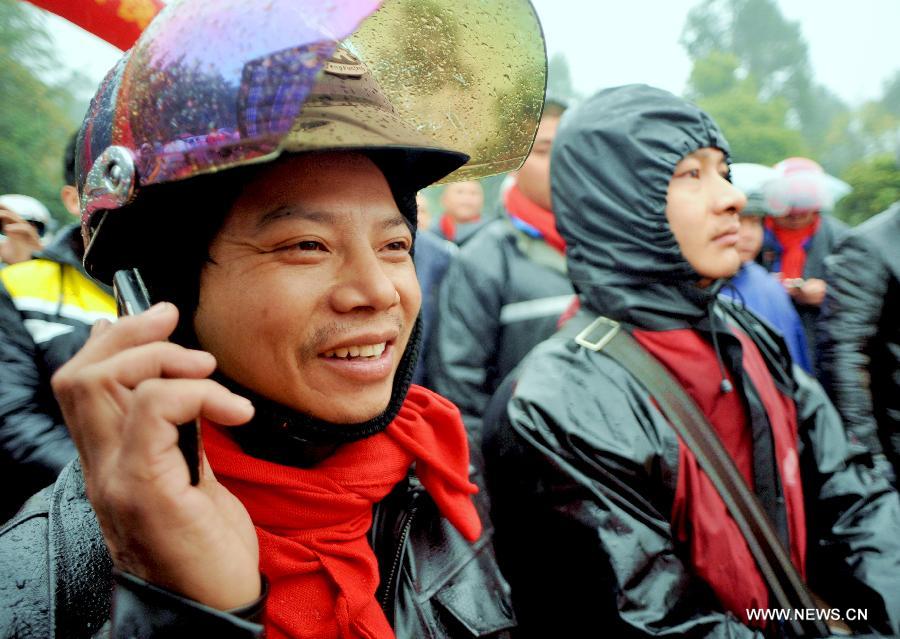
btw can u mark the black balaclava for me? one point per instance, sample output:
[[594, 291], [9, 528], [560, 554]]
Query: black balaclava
[[276, 433], [612, 160]]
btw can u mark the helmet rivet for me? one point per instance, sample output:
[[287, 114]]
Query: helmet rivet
[[115, 174]]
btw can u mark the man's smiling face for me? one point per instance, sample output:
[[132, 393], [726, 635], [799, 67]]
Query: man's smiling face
[[311, 294]]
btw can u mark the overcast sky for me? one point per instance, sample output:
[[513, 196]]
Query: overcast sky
[[853, 47]]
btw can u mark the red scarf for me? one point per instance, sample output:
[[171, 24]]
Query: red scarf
[[535, 216], [700, 520], [448, 227], [312, 522], [793, 246]]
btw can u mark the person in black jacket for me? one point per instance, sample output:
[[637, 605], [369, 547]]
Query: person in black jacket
[[605, 522], [504, 292], [860, 337], [332, 497], [47, 307]]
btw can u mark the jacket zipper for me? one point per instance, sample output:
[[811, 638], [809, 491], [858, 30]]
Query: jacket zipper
[[398, 556]]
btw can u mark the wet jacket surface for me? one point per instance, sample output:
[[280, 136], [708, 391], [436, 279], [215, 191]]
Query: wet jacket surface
[[47, 307], [860, 340], [502, 295], [579, 456], [56, 576]]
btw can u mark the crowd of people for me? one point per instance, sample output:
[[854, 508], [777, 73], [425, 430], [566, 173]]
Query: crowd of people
[[656, 395]]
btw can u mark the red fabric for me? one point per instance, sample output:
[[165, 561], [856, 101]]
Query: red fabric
[[719, 554], [534, 215], [793, 244], [312, 523], [119, 22], [448, 227]]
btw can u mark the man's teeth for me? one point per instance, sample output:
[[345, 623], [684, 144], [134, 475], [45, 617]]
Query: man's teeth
[[372, 351]]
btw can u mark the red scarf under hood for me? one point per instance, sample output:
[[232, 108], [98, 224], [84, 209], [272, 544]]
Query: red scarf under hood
[[312, 522], [535, 216], [794, 243], [718, 552]]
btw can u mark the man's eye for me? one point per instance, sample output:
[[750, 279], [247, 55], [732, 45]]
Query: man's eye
[[693, 173], [309, 245], [399, 245]]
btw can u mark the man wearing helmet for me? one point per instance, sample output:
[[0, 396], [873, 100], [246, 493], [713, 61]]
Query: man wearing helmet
[[333, 498]]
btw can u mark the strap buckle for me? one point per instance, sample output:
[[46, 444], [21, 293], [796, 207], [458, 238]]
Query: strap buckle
[[598, 333]]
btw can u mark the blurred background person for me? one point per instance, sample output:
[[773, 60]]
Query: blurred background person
[[47, 307], [753, 285], [506, 289], [860, 337], [796, 243], [432, 256], [424, 212], [463, 204], [24, 221]]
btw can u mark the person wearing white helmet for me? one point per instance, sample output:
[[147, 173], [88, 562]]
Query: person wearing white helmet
[[24, 221], [257, 164]]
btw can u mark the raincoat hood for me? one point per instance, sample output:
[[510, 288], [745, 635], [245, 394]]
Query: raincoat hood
[[612, 160]]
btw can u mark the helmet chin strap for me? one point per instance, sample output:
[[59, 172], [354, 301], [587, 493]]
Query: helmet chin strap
[[285, 436]]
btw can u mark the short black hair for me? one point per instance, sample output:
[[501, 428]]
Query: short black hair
[[69, 160], [554, 108]]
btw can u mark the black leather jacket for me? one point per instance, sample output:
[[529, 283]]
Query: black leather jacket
[[56, 576], [860, 340]]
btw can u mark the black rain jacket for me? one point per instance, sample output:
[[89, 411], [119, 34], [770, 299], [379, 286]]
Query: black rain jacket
[[860, 341], [582, 466], [47, 307], [502, 295], [56, 576]]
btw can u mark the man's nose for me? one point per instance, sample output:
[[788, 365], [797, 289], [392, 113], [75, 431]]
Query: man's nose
[[728, 198], [364, 284]]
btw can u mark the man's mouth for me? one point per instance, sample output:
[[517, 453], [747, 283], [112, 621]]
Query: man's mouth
[[360, 351]]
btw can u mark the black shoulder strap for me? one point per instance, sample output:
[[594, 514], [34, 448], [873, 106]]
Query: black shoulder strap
[[785, 583]]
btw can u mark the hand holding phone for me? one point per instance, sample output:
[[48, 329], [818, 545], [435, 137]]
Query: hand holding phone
[[132, 298]]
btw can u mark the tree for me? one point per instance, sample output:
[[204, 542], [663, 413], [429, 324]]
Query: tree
[[761, 46], [559, 79], [755, 128], [36, 118], [876, 185]]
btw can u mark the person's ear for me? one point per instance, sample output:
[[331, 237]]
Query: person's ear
[[69, 196]]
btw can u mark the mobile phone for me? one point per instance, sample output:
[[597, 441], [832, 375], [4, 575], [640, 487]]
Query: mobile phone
[[132, 298]]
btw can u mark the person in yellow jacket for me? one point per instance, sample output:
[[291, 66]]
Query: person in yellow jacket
[[47, 307]]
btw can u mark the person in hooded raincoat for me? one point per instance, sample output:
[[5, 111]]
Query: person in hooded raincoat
[[605, 524]]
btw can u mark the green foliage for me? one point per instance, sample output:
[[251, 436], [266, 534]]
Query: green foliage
[[891, 99], [36, 119], [876, 185], [754, 129], [714, 74], [736, 41], [559, 80]]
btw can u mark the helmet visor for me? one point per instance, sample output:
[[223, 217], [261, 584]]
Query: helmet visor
[[215, 84]]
